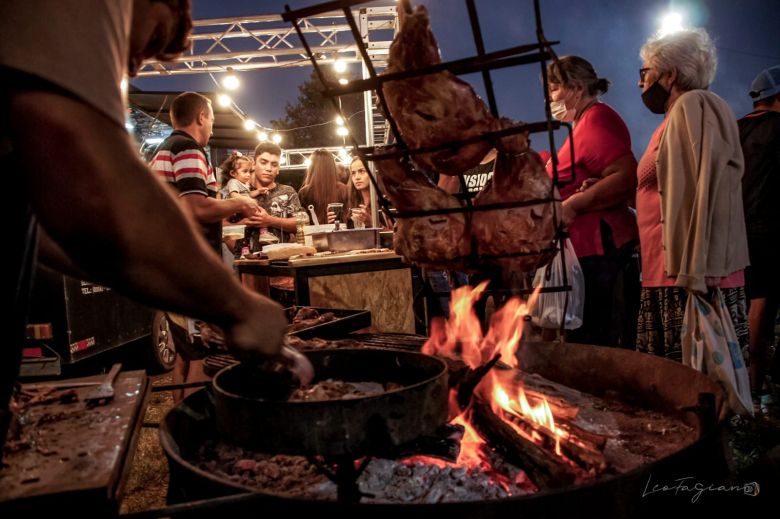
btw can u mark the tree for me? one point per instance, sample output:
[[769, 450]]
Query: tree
[[312, 109]]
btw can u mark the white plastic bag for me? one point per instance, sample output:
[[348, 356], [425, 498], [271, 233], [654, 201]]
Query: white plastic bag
[[548, 311], [710, 345]]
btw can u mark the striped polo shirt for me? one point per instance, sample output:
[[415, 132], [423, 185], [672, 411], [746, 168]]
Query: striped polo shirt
[[184, 165]]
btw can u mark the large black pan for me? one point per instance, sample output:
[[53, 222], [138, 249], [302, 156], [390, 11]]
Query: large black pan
[[356, 427]]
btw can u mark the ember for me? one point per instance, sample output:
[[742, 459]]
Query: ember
[[415, 479]]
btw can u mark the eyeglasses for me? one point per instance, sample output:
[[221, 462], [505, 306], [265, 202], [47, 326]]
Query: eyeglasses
[[643, 73]]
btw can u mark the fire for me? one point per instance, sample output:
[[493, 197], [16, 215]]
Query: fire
[[461, 337], [540, 414]]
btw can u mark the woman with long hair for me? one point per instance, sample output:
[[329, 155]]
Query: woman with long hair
[[360, 195], [321, 187]]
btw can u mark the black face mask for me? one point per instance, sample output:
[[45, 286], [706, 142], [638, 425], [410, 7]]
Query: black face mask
[[655, 98]]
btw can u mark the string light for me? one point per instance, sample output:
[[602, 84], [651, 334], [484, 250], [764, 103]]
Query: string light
[[339, 120], [276, 138], [249, 124], [342, 131], [262, 136], [343, 81], [340, 66], [224, 100], [231, 81], [307, 162]]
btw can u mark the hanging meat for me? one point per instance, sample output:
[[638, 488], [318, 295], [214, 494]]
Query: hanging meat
[[433, 241], [519, 175], [437, 108]]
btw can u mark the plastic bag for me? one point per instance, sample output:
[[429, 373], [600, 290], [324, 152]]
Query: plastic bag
[[548, 311], [710, 345]]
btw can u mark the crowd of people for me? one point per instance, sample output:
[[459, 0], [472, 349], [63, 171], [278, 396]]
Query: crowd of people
[[703, 192], [697, 208]]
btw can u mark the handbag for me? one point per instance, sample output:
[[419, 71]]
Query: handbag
[[548, 312], [710, 345]]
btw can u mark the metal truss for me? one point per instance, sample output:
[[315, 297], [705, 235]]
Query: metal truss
[[259, 42]]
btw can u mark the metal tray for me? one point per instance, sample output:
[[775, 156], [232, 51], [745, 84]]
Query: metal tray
[[346, 239], [346, 321]]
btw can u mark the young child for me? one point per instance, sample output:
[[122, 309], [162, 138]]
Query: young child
[[237, 177], [237, 181]]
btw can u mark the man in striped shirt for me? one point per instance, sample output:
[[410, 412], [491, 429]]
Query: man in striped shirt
[[182, 162]]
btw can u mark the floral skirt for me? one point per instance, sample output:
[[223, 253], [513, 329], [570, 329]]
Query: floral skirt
[[661, 312]]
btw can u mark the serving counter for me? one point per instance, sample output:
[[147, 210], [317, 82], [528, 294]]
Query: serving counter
[[375, 281]]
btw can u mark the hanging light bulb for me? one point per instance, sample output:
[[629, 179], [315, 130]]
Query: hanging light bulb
[[343, 81], [276, 138], [231, 81], [339, 120], [249, 124], [340, 65], [307, 162], [262, 136], [342, 131], [224, 100]]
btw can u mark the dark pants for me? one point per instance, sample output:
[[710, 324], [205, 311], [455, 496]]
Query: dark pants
[[611, 296]]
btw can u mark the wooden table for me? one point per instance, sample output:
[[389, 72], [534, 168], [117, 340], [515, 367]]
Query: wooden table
[[379, 282]]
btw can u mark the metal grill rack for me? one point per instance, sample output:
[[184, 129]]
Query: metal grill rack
[[483, 62]]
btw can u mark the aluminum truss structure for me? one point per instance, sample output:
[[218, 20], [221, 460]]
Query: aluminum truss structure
[[260, 42], [265, 42]]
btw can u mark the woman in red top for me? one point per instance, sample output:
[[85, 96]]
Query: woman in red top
[[596, 191]]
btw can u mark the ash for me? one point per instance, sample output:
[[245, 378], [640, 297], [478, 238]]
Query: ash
[[412, 480]]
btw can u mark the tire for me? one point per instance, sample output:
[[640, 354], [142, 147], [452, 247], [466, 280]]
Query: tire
[[162, 351]]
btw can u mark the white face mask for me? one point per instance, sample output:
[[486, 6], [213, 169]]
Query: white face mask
[[561, 112]]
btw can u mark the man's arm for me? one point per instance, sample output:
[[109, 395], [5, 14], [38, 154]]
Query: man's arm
[[91, 192], [208, 210]]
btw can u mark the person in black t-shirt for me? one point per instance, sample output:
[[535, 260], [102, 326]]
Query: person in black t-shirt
[[760, 137]]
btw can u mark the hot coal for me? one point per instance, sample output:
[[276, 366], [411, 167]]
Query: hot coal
[[409, 480]]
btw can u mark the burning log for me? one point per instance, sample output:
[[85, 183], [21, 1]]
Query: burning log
[[547, 469], [579, 449]]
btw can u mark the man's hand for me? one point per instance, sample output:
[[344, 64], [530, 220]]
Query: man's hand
[[258, 332], [246, 206], [262, 218]]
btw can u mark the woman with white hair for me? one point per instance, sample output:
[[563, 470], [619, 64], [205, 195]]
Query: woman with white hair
[[689, 194]]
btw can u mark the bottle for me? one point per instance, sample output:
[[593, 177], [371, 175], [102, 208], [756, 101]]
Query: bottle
[[301, 219]]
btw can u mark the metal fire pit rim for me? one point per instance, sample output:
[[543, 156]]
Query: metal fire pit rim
[[313, 403]]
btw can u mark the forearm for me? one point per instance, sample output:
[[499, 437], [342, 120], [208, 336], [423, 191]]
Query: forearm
[[51, 255], [209, 210], [617, 186], [287, 224]]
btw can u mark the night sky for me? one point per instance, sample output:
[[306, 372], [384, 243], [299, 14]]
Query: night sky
[[608, 33]]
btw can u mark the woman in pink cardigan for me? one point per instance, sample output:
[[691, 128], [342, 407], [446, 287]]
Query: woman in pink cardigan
[[689, 194]]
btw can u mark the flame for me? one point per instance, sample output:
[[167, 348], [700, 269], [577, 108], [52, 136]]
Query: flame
[[461, 335], [540, 414]]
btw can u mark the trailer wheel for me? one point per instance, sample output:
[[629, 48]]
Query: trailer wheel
[[162, 349]]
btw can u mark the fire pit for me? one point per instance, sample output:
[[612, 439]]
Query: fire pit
[[650, 382]]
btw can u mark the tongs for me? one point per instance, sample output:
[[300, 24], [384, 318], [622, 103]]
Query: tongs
[[103, 393]]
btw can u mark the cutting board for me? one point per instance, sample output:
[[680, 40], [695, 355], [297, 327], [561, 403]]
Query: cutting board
[[341, 258]]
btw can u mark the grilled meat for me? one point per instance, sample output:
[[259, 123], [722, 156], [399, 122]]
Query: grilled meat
[[436, 240], [437, 108], [519, 175]]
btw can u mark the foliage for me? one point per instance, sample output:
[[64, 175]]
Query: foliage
[[312, 109]]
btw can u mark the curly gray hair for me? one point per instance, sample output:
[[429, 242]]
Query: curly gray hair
[[690, 51]]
